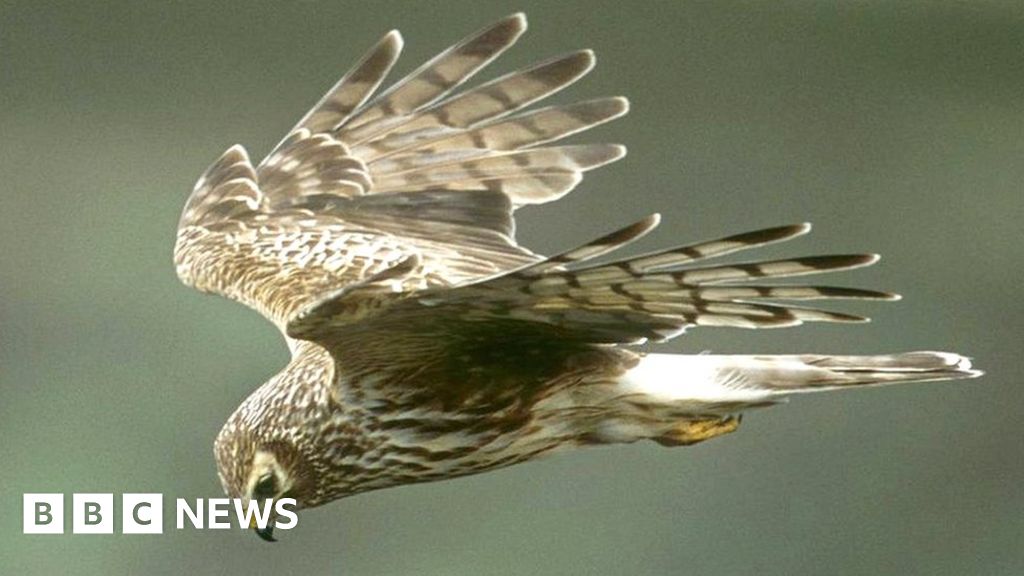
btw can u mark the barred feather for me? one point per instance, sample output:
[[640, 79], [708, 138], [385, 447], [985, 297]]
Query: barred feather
[[426, 134], [653, 296], [560, 160], [492, 100], [354, 88], [594, 248], [228, 187], [520, 131], [673, 292], [440, 75]]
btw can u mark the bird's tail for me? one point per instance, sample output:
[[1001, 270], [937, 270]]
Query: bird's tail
[[697, 396], [711, 379]]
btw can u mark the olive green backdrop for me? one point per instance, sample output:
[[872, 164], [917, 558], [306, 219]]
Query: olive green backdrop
[[895, 127]]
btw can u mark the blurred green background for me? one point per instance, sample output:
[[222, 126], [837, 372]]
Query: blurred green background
[[895, 127]]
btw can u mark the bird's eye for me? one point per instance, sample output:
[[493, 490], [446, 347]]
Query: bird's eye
[[266, 487]]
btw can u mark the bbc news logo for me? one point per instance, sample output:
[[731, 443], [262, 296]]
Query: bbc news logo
[[144, 513]]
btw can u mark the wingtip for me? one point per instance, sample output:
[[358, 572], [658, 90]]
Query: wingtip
[[640, 228], [518, 19], [237, 150], [791, 231], [775, 234], [508, 29], [586, 60], [623, 103], [853, 261], [394, 38]]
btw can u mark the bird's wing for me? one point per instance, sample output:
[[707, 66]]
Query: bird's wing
[[424, 168], [570, 298]]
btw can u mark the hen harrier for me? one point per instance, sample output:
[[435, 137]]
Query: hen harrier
[[426, 343]]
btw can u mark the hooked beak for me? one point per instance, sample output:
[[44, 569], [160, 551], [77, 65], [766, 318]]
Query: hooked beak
[[267, 534]]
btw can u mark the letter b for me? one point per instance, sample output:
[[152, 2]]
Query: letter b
[[43, 514], [92, 514]]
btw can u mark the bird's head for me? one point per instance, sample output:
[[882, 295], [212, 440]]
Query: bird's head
[[254, 468]]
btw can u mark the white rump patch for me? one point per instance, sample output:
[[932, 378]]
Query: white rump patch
[[691, 378]]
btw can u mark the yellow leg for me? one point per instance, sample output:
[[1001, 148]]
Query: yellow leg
[[698, 430]]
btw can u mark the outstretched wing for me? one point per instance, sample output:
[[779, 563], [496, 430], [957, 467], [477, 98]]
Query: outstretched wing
[[424, 169], [569, 298]]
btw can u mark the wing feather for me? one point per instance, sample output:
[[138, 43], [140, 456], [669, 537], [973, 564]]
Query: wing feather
[[397, 209], [227, 187], [514, 133], [551, 161], [489, 101], [443, 73], [444, 167], [625, 301], [354, 88]]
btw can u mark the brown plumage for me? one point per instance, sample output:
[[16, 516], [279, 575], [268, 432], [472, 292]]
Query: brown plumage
[[426, 344]]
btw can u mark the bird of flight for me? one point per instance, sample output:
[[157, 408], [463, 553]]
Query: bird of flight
[[426, 343]]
